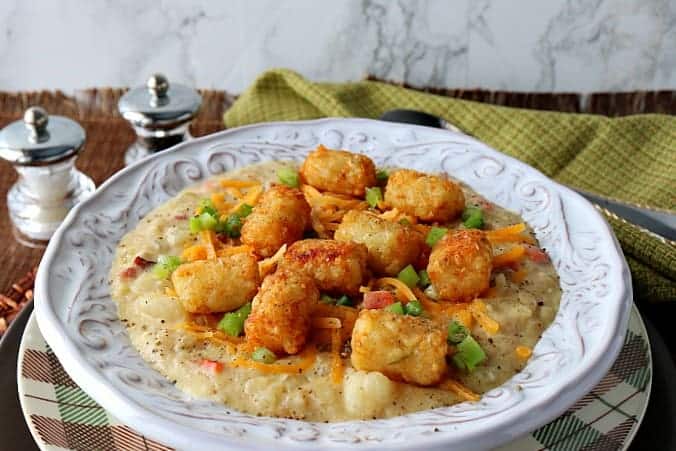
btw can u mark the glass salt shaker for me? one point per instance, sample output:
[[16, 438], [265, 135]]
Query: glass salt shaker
[[43, 150], [160, 114]]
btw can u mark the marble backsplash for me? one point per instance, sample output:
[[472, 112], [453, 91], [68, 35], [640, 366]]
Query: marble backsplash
[[527, 45]]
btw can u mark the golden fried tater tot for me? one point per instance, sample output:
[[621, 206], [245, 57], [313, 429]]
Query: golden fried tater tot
[[428, 197], [460, 265], [338, 171], [280, 218], [280, 313], [336, 267], [402, 347], [391, 246], [219, 285]]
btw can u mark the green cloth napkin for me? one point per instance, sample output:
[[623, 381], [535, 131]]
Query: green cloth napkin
[[631, 158]]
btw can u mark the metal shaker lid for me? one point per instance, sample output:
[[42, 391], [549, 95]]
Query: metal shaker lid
[[159, 105], [40, 139]]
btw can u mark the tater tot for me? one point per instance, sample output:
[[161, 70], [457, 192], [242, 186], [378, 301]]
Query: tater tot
[[336, 267], [280, 313], [338, 171], [219, 285], [428, 197], [402, 347], [281, 217], [460, 265], [391, 246]]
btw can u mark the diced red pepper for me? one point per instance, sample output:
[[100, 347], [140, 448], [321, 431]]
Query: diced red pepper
[[485, 205], [212, 366], [536, 254], [181, 217], [142, 262], [378, 299], [129, 273]]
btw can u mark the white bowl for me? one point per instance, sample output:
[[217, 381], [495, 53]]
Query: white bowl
[[79, 320]]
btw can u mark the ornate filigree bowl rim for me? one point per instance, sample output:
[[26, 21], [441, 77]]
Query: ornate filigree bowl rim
[[573, 355]]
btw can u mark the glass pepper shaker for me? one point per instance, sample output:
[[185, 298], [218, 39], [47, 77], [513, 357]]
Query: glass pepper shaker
[[160, 114], [43, 150]]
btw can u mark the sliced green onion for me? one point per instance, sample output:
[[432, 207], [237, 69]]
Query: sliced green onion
[[456, 332], [424, 276], [473, 218], [288, 177], [207, 206], [374, 196], [326, 299], [263, 355], [233, 226], [244, 211], [413, 308], [408, 276], [344, 300], [233, 323], [166, 264], [468, 354], [395, 308], [195, 224], [434, 235], [382, 175], [207, 221]]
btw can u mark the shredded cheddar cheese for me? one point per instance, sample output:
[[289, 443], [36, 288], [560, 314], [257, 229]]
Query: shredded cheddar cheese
[[459, 389], [194, 253], [231, 250], [227, 183], [209, 239], [523, 352], [268, 265], [250, 198], [514, 255], [478, 311], [170, 292], [464, 317], [403, 291], [218, 199], [513, 233]]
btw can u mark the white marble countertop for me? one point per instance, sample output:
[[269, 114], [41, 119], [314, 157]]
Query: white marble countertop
[[526, 45]]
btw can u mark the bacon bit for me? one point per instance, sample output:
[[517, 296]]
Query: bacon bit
[[226, 183], [326, 323], [519, 275], [194, 253], [181, 217], [268, 265], [459, 389], [512, 256], [523, 352], [142, 262], [307, 359], [537, 255], [212, 366], [336, 361], [378, 299], [485, 205], [129, 273], [403, 291], [488, 324]]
